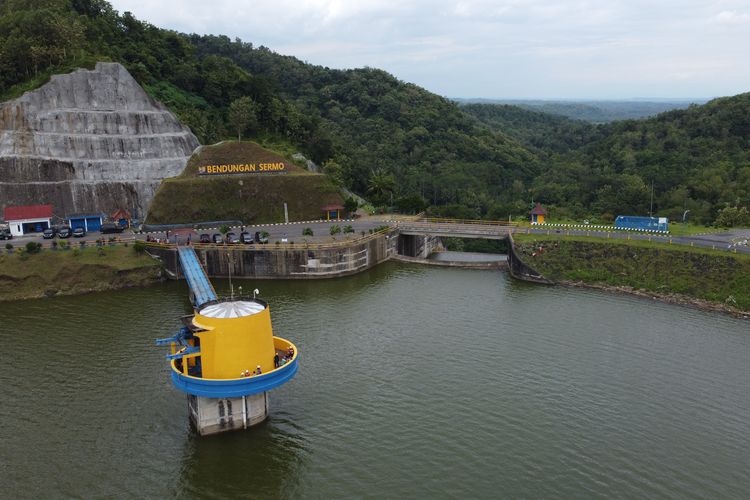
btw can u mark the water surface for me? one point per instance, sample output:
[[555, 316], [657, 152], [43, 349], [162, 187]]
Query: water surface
[[414, 382]]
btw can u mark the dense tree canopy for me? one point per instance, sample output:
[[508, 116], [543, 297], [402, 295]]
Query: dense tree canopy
[[367, 128]]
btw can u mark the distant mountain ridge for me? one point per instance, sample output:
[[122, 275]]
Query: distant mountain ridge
[[594, 111]]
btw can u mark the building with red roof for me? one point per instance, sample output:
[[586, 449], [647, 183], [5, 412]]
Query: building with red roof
[[28, 219], [538, 214], [334, 211]]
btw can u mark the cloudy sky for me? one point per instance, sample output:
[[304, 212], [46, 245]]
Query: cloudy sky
[[496, 48]]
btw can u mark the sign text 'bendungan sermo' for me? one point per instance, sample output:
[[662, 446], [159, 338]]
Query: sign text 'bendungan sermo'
[[242, 168]]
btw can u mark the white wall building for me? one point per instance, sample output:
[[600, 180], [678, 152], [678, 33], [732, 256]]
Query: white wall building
[[28, 219]]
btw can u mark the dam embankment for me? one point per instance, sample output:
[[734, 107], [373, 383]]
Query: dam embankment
[[700, 277]]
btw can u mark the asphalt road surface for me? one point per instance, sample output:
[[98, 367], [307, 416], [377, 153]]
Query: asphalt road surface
[[735, 239]]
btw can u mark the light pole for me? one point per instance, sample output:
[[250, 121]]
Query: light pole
[[684, 216]]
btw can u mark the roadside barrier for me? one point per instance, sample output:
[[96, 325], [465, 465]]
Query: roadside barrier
[[595, 227], [271, 247]]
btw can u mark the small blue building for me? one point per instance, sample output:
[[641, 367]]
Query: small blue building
[[89, 222], [642, 223]]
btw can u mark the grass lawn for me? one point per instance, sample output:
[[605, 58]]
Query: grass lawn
[[67, 272]]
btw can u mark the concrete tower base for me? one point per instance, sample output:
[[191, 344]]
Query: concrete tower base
[[211, 416]]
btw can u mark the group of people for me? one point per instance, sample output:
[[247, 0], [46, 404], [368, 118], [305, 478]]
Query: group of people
[[277, 362], [248, 373], [284, 359]]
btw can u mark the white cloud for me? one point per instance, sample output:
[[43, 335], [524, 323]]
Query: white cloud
[[732, 17], [495, 48]]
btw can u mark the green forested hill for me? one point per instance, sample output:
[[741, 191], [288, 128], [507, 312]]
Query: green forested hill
[[544, 132], [391, 141], [386, 139], [698, 159]]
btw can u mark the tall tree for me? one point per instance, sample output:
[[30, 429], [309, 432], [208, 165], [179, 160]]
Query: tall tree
[[243, 115]]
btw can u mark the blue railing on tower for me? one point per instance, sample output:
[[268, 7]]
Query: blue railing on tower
[[202, 289]]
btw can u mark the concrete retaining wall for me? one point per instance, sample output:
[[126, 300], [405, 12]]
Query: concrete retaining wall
[[268, 262], [518, 268]]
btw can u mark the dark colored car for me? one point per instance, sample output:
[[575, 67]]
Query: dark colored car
[[64, 232], [246, 237], [204, 238], [79, 232], [5, 234], [232, 238], [49, 233], [217, 238], [110, 227]]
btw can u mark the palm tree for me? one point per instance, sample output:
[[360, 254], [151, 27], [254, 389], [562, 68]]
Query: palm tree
[[381, 185]]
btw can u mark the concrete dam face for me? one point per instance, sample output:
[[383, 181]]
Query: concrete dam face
[[89, 141]]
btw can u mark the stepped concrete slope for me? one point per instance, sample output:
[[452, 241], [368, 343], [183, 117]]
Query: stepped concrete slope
[[89, 141]]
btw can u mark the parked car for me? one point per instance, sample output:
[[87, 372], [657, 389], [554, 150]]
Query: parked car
[[204, 238], [232, 238], [79, 232], [111, 227], [5, 234], [64, 232], [49, 233], [217, 238], [246, 237]]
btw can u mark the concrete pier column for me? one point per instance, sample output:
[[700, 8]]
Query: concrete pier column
[[212, 415]]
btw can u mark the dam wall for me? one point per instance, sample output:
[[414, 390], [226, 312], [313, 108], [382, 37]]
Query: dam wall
[[286, 261]]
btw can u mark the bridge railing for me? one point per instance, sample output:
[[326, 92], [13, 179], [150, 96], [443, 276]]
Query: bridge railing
[[475, 222]]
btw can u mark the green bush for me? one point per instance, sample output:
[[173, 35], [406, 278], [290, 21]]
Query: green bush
[[33, 247], [335, 229], [307, 232], [348, 229], [9, 246], [139, 246]]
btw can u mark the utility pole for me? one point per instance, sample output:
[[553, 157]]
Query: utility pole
[[651, 210]]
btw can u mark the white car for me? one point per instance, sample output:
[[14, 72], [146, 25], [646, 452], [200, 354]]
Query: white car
[[284, 239]]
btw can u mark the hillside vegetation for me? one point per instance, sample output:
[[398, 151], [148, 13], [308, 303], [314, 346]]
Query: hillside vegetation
[[718, 277], [592, 111], [391, 141], [71, 272], [698, 159]]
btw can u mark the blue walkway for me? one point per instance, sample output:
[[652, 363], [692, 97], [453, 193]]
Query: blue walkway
[[197, 280]]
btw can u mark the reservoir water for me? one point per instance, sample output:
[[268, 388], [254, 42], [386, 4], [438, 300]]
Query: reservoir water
[[414, 382]]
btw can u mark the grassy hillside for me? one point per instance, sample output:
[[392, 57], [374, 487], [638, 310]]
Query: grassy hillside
[[229, 152], [715, 276], [71, 272], [252, 198]]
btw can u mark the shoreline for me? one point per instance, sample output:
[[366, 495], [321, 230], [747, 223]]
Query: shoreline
[[668, 298]]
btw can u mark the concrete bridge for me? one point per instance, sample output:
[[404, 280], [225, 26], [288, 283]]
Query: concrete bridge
[[455, 228], [419, 237]]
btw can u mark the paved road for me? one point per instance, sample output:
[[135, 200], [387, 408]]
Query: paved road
[[736, 239], [726, 240], [292, 231]]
